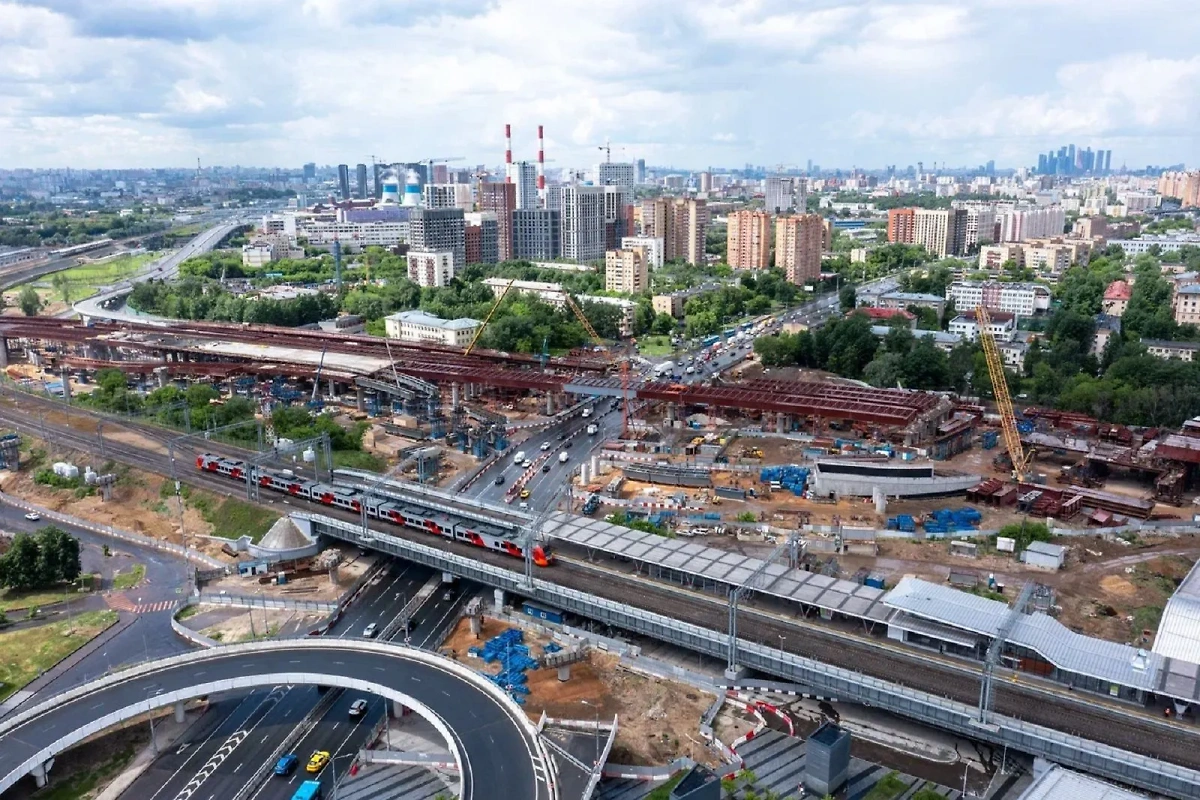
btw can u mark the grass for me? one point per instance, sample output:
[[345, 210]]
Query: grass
[[130, 579], [24, 654], [663, 792], [80, 785], [358, 459], [187, 612], [891, 786], [928, 794], [12, 601], [87, 279], [655, 345], [233, 518], [1146, 618]]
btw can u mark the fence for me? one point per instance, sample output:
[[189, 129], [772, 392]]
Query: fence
[[262, 601]]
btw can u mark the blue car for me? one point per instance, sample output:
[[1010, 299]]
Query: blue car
[[286, 765]]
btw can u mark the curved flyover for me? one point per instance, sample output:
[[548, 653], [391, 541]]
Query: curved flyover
[[496, 747]]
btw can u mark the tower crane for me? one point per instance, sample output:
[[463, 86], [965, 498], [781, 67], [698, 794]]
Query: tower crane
[[1008, 419]]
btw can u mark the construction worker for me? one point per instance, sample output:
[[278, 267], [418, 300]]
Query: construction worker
[[1167, 712]]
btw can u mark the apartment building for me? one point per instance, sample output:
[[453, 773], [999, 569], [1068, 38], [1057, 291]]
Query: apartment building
[[674, 303], [418, 326], [941, 231], [353, 236], [1116, 298], [430, 268], [1024, 299], [1159, 348], [687, 228], [522, 176], [626, 271], [434, 230], [798, 244], [1020, 223], [448, 195], [784, 193], [582, 223], [748, 242], [1090, 228], [500, 199], [993, 256], [1047, 258], [536, 234], [1003, 326], [1186, 304], [653, 246], [1184, 185], [906, 299], [481, 237], [980, 226], [901, 227]]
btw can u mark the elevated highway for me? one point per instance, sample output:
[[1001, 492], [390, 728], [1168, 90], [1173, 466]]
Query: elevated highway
[[495, 746]]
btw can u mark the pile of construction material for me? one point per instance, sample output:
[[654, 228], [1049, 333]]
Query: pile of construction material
[[944, 520], [786, 477], [510, 651]]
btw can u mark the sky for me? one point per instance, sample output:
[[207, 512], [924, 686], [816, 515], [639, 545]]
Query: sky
[[691, 84]]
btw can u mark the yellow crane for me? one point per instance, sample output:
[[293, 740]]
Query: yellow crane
[[488, 318], [1008, 419]]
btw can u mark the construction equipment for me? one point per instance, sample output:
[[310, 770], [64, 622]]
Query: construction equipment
[[622, 363], [488, 318], [1008, 420], [315, 402]]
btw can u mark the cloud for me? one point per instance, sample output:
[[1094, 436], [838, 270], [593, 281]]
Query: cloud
[[159, 82]]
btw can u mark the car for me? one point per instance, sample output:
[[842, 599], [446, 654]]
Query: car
[[358, 708], [286, 765], [545, 446], [449, 595], [33, 516], [527, 463], [524, 494], [369, 631], [545, 467], [568, 444], [524, 505], [562, 436], [318, 761], [499, 480]]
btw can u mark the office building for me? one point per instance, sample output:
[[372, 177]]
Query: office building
[[583, 223], [523, 176], [1015, 298], [639, 172], [784, 193], [1166, 243], [448, 195], [310, 172], [438, 230], [901, 226], [798, 241], [481, 237], [536, 234], [360, 182], [652, 244], [430, 268], [940, 231], [344, 180], [501, 200], [1003, 326], [749, 240], [418, 326], [626, 271], [613, 173]]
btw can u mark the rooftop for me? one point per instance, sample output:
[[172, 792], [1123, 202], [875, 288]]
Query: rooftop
[[1170, 345], [423, 318], [1118, 290], [1059, 783], [1179, 631], [915, 297], [883, 313], [997, 316]]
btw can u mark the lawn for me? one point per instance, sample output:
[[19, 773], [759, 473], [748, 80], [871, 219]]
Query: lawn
[[12, 601], [889, 787], [129, 578], [87, 280], [83, 784], [232, 518], [24, 654], [655, 346], [358, 459]]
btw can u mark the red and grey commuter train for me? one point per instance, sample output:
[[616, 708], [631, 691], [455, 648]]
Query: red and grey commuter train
[[406, 514]]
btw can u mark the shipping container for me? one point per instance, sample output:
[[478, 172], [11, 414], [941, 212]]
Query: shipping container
[[541, 612]]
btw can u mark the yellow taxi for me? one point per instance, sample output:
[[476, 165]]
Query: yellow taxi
[[524, 494], [318, 761]]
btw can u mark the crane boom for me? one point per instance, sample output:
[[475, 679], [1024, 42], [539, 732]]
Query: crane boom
[[488, 318], [1008, 419]]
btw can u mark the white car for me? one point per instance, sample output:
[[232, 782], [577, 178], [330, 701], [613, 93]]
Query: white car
[[545, 445], [33, 516], [369, 631], [527, 464]]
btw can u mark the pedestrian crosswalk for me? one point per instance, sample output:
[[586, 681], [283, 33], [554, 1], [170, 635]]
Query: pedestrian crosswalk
[[120, 602]]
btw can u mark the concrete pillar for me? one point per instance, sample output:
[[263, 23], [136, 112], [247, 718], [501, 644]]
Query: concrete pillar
[[476, 625], [3, 352], [398, 709], [161, 373], [179, 712], [564, 673], [454, 395], [66, 382], [332, 388], [549, 404], [360, 398], [447, 577], [498, 599], [781, 421], [39, 775]]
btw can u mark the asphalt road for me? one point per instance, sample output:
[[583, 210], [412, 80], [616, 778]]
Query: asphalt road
[[497, 756]]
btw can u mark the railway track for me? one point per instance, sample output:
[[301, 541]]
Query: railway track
[[1147, 736]]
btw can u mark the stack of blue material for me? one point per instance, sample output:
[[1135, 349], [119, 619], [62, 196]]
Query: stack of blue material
[[1025, 426], [510, 651], [902, 522], [790, 477], [947, 520], [990, 439]]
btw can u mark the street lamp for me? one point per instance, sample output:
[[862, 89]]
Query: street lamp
[[781, 638], [596, 708], [333, 770]]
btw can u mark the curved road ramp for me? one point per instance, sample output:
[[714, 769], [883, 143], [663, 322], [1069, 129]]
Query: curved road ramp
[[496, 748]]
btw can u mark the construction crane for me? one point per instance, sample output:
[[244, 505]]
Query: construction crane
[[488, 318], [315, 402], [607, 148], [1008, 418], [431, 161], [622, 364]]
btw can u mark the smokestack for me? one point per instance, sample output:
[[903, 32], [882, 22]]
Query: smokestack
[[541, 168], [507, 153]]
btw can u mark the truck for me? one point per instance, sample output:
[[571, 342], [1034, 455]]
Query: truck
[[519, 457], [591, 430], [593, 502], [562, 457]]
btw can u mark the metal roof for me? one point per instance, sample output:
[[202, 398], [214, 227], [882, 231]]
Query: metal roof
[[777, 580], [1179, 631], [1058, 783], [1046, 548]]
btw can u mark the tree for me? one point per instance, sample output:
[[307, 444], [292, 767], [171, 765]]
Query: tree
[[19, 567], [847, 297], [58, 555], [29, 301], [664, 324], [886, 371], [62, 284]]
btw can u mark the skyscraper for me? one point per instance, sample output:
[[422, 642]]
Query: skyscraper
[[344, 181], [798, 241], [781, 194], [941, 231], [438, 230], [901, 226], [523, 175], [310, 172], [360, 173], [639, 172], [537, 234], [500, 199], [583, 222], [749, 240]]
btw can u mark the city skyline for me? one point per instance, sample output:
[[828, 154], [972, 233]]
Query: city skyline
[[845, 84]]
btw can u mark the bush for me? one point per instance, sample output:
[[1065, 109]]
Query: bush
[[1026, 533]]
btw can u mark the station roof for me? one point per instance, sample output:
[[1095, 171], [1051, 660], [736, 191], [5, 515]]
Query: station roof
[[1179, 631], [1058, 783], [778, 580]]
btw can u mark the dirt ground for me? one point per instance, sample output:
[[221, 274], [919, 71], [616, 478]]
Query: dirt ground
[[658, 720], [259, 623], [311, 587]]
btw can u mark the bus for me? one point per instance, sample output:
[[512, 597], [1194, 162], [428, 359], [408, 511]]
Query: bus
[[309, 790]]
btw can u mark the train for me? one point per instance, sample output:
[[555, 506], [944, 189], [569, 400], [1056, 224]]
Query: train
[[409, 515]]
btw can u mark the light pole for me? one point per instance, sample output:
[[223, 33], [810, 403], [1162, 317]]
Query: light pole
[[781, 638], [596, 708], [333, 770]]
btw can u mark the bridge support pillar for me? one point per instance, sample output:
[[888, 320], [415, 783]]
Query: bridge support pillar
[[3, 353], [498, 599], [670, 417], [66, 382], [549, 404], [781, 423], [735, 673], [360, 398], [332, 389], [453, 396], [476, 625], [564, 673], [398, 709], [39, 773], [179, 712]]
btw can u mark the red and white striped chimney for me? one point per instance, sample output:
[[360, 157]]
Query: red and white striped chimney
[[507, 153], [541, 168]]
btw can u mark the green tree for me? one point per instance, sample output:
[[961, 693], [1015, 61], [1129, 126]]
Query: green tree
[[847, 297], [20, 567], [29, 301], [58, 555], [62, 285], [664, 324]]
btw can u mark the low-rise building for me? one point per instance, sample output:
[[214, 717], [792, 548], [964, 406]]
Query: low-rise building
[[906, 299], [943, 340], [1116, 298], [430, 268], [345, 323], [1003, 326], [674, 303], [1166, 243], [1186, 304], [1161, 348], [419, 326], [1013, 355], [875, 313], [992, 257], [1014, 298], [1107, 326]]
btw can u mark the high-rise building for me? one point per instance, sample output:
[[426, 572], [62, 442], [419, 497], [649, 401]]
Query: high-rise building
[[448, 195], [501, 200], [481, 237], [310, 172], [428, 268], [523, 176], [653, 246], [583, 222], [639, 172], [941, 231], [706, 182], [980, 226], [749, 240], [798, 241], [360, 174], [537, 234], [441, 174], [613, 173], [437, 230], [1019, 223], [901, 226], [626, 271], [344, 181], [654, 218], [1183, 185], [681, 223], [781, 194]]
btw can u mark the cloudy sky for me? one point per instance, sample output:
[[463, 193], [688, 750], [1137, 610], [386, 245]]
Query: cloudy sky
[[690, 83]]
